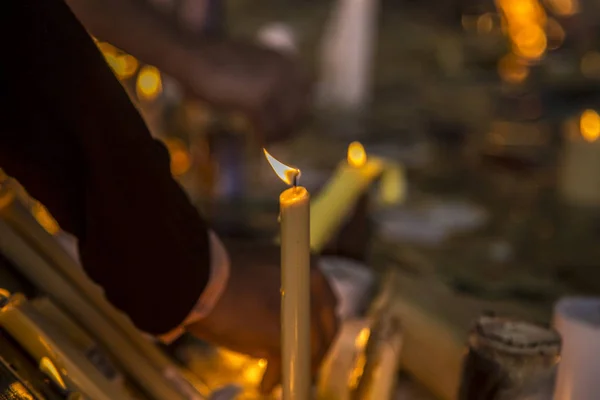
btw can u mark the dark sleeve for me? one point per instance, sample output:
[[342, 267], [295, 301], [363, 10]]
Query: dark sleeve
[[71, 136]]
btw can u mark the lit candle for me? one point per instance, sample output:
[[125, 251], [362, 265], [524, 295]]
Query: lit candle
[[349, 182], [579, 175], [294, 206]]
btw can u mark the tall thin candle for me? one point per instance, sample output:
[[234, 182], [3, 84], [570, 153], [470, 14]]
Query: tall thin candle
[[294, 206]]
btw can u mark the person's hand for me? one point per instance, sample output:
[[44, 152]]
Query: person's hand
[[246, 318], [270, 87]]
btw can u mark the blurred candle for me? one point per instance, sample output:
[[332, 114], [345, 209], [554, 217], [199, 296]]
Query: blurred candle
[[579, 175], [578, 322], [351, 179], [294, 206]]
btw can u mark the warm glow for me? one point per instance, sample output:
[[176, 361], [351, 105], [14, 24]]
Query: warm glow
[[530, 42], [20, 390], [180, 157], [589, 125], [253, 373], [232, 359], [129, 65], [107, 49], [149, 83], [590, 64], [48, 367], [43, 217], [525, 21], [286, 173], [563, 7], [362, 338], [357, 156], [358, 371], [512, 70]]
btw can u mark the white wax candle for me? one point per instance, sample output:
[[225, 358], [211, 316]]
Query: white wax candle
[[295, 284], [578, 322]]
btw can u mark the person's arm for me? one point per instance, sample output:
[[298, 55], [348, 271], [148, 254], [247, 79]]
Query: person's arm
[[72, 137], [140, 29]]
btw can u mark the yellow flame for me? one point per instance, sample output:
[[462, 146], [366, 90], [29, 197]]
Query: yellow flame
[[357, 156], [589, 124], [284, 172], [149, 83], [48, 367]]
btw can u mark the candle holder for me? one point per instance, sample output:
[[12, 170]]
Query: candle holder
[[510, 360]]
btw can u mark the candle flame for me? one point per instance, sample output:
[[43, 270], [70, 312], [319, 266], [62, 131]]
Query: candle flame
[[589, 125], [286, 173], [357, 156]]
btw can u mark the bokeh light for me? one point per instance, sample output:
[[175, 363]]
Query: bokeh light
[[512, 70], [149, 83], [589, 124]]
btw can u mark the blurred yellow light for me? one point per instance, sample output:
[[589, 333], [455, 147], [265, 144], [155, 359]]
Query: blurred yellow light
[[43, 217], [149, 83], [129, 65], [180, 157], [485, 23], [232, 359], [117, 64], [523, 12], [253, 373], [511, 70], [530, 42], [357, 156], [556, 34], [590, 64], [563, 7], [358, 371], [589, 124], [107, 48], [20, 390], [362, 338], [262, 363]]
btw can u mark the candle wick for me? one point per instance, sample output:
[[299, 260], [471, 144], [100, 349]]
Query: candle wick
[[295, 180]]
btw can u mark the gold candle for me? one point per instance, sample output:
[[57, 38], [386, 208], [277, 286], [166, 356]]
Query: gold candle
[[294, 206], [350, 180]]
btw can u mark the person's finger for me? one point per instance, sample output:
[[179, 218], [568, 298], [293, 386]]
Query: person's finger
[[271, 377]]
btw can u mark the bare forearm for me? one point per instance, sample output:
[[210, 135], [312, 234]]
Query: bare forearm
[[137, 28]]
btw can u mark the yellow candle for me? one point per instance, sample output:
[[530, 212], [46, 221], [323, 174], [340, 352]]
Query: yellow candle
[[579, 175], [294, 206], [349, 182]]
